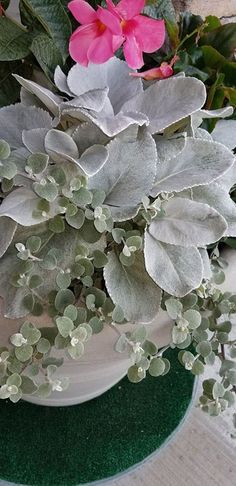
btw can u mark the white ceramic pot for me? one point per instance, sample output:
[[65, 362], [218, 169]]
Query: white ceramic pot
[[99, 368]]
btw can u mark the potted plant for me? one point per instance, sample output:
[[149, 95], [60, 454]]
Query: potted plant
[[110, 194]]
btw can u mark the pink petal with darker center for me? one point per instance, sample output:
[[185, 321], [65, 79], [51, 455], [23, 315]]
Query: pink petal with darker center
[[110, 20], [80, 42]]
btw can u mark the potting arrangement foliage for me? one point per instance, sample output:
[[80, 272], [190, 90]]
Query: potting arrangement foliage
[[117, 188]]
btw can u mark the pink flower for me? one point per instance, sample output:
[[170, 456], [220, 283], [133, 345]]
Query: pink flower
[[165, 70], [99, 35], [141, 34]]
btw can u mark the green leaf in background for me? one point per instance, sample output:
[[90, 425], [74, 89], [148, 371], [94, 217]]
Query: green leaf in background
[[9, 87], [5, 4], [53, 18], [160, 9], [223, 39], [14, 40], [46, 53]]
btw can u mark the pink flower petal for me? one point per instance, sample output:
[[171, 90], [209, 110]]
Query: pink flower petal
[[130, 8], [82, 11], [112, 8], [117, 41], [110, 20], [101, 48], [150, 33], [80, 42], [133, 53]]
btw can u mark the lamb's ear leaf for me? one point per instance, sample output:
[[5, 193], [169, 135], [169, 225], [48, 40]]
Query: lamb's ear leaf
[[88, 134], [167, 148], [168, 101], [49, 99], [16, 118], [218, 198], [121, 177], [109, 124], [132, 288], [20, 206], [199, 163], [7, 231], [225, 132], [34, 139], [93, 159], [60, 146], [188, 223], [113, 74], [176, 269], [92, 100], [60, 80], [199, 116]]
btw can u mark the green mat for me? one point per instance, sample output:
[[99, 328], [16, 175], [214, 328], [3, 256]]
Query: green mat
[[44, 446]]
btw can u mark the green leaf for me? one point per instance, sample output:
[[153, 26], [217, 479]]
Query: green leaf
[[28, 386], [63, 299], [218, 390], [4, 150], [43, 346], [232, 377], [167, 366], [15, 380], [33, 244], [77, 220], [121, 344], [63, 280], [49, 262], [135, 241], [35, 281], [223, 39], [37, 162], [139, 334], [24, 353], [8, 170], [71, 312], [198, 367], [179, 335], [193, 317], [99, 259], [65, 326], [204, 348], [82, 197], [159, 9], [157, 367], [135, 374], [47, 54], [57, 224], [55, 21], [149, 348], [46, 190], [118, 314], [14, 40], [96, 325], [30, 332], [173, 307], [77, 351]]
